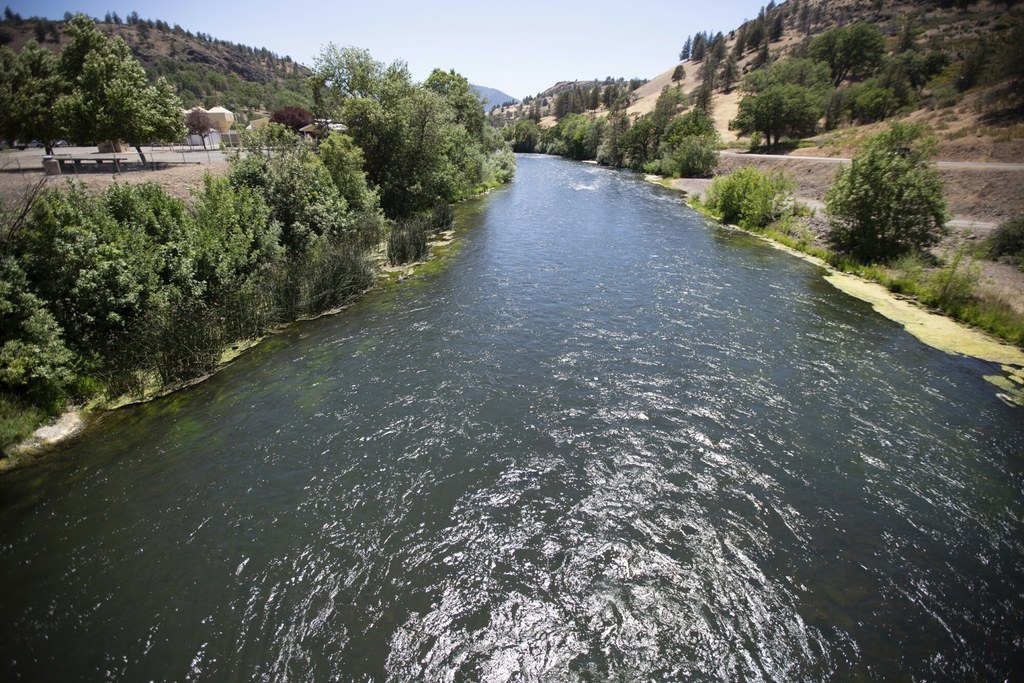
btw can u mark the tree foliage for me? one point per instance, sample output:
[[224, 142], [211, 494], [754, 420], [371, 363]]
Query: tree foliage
[[344, 162], [525, 136], [786, 99], [293, 118], [129, 287], [888, 201], [421, 143], [109, 96], [850, 51], [689, 146], [94, 91], [1008, 240], [197, 122], [751, 198], [30, 87]]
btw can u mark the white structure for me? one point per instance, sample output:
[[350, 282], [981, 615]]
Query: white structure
[[221, 119]]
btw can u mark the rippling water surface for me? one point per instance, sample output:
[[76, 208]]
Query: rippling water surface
[[611, 442]]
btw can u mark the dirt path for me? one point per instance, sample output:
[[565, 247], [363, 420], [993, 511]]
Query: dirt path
[[964, 165]]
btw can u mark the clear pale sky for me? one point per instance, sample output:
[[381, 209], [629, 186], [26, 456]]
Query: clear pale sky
[[518, 46]]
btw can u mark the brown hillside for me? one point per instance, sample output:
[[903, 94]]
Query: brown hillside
[[982, 124]]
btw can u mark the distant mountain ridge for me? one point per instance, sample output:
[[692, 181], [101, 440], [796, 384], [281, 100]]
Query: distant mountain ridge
[[492, 97]]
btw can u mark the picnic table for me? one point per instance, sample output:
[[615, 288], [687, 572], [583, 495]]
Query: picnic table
[[58, 162]]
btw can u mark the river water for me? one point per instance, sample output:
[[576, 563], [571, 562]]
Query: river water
[[610, 441]]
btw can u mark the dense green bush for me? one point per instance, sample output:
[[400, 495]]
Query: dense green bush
[[888, 202], [131, 288], [750, 198], [34, 362], [421, 143], [300, 193], [1008, 240], [344, 162], [693, 157], [499, 167], [97, 274], [524, 136]]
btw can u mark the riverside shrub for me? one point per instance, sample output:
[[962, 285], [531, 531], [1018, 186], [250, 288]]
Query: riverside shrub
[[408, 240], [694, 157], [888, 201], [750, 198], [1008, 240]]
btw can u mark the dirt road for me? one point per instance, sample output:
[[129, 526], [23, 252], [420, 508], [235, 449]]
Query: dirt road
[[961, 165]]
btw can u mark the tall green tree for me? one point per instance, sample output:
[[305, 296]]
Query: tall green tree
[[344, 161], [729, 73], [467, 106], [888, 202], [779, 110], [850, 51], [110, 98], [610, 152], [785, 100], [30, 87], [525, 136], [422, 144]]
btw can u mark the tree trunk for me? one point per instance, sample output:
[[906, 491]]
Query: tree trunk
[[142, 157]]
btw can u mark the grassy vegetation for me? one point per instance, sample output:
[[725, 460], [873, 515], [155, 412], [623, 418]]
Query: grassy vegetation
[[18, 419]]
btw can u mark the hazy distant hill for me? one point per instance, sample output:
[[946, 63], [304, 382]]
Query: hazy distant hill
[[492, 96]]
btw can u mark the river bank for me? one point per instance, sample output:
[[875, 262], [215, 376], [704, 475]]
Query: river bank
[[979, 197], [938, 330], [74, 420]]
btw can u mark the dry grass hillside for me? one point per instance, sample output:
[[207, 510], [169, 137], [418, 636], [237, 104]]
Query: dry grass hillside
[[985, 123]]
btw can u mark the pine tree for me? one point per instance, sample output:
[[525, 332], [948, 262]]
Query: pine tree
[[729, 73], [762, 58], [805, 17], [685, 53], [775, 32], [699, 47], [741, 42]]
